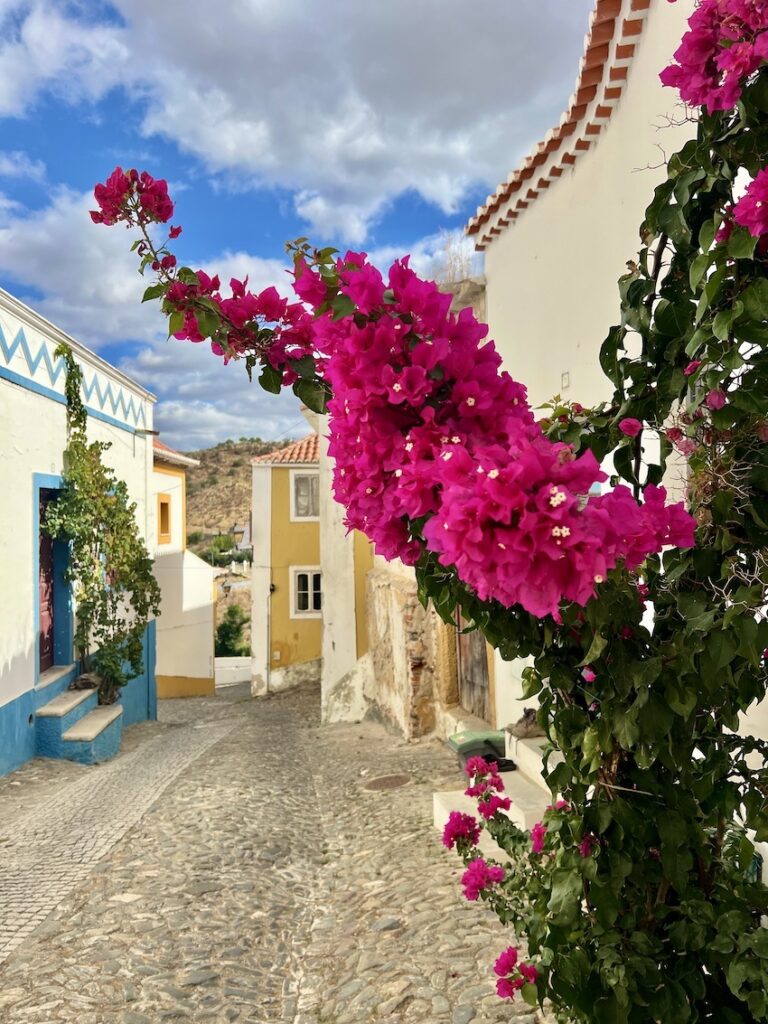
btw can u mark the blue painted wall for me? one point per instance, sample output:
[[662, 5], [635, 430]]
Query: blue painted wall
[[17, 732], [139, 696]]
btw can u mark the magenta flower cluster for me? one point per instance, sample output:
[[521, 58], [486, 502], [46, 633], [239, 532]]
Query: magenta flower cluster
[[480, 876], [486, 785], [460, 827], [726, 42], [425, 428], [513, 974], [751, 211], [435, 447], [155, 205]]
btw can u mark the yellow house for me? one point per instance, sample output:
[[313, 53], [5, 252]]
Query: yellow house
[[185, 628], [287, 587]]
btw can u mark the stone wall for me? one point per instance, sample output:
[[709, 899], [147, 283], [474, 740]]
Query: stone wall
[[413, 655]]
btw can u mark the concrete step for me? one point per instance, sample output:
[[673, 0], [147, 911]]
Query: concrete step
[[53, 719], [95, 737], [528, 755], [529, 802]]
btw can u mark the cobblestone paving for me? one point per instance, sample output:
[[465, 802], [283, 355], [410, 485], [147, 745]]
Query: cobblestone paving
[[233, 867]]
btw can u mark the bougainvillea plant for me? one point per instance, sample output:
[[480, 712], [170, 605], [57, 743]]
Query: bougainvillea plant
[[638, 895], [109, 566]]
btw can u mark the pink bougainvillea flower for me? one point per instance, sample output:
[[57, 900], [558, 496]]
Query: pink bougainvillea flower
[[674, 434], [751, 211], [506, 961], [631, 427], [488, 806], [726, 42], [460, 826], [692, 367], [716, 399], [587, 845], [538, 834], [174, 232], [511, 975], [560, 805], [480, 876], [588, 674]]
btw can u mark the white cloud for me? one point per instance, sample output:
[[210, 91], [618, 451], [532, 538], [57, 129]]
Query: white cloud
[[46, 45], [15, 164], [348, 106], [87, 275], [91, 288]]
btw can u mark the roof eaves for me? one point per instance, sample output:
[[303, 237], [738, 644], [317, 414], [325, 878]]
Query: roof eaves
[[610, 47]]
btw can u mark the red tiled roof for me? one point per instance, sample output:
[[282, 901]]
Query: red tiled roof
[[165, 452], [304, 452], [615, 29]]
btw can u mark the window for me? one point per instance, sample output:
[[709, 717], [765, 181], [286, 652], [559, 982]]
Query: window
[[163, 519], [305, 496], [307, 593]]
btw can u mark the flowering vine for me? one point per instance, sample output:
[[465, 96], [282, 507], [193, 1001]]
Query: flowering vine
[[637, 893]]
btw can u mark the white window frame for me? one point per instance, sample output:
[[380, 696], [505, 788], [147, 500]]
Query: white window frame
[[293, 573], [294, 473]]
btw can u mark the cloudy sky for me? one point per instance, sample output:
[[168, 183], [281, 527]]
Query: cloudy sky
[[380, 125]]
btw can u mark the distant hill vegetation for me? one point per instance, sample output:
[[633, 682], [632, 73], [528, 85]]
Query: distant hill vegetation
[[219, 489]]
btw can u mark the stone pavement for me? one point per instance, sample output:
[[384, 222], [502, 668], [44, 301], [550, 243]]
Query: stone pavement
[[231, 865]]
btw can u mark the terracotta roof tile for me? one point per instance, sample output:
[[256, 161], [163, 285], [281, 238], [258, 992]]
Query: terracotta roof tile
[[164, 452], [609, 47], [303, 452]]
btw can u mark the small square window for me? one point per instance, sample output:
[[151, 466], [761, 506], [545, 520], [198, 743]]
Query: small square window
[[306, 495], [307, 593], [163, 519]]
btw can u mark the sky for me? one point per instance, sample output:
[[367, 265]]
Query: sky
[[379, 126]]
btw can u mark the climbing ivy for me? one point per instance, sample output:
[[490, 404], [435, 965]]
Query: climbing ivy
[[109, 566]]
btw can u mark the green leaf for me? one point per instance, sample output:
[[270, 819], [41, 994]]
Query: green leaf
[[342, 306], [175, 322], [153, 292], [741, 245], [271, 379], [313, 393], [755, 299], [596, 648]]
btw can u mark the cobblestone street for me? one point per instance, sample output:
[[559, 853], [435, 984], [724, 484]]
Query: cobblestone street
[[230, 865]]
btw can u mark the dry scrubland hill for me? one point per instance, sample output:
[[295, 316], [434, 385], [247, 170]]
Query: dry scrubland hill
[[219, 489]]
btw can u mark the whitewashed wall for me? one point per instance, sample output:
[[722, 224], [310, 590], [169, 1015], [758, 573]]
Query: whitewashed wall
[[185, 628], [32, 440]]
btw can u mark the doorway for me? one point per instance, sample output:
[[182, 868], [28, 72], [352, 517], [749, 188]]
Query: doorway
[[474, 688]]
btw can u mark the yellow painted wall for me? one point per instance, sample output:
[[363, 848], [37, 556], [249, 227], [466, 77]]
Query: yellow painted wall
[[293, 544], [363, 557]]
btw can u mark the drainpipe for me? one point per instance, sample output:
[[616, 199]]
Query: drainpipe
[[269, 633]]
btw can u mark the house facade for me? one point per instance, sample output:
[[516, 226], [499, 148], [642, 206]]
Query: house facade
[[187, 624], [558, 232], [37, 660], [287, 579]]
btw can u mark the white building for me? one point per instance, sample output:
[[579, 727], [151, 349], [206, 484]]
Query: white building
[[187, 624], [36, 614]]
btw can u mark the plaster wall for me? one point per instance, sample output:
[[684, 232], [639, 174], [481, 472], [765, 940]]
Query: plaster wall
[[551, 276], [185, 627], [171, 482], [32, 441]]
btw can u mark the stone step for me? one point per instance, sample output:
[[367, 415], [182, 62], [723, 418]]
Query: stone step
[[96, 737], [64, 703], [55, 718], [528, 755], [529, 802]]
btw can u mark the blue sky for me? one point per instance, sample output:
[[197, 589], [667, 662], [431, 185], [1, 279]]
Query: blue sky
[[377, 125]]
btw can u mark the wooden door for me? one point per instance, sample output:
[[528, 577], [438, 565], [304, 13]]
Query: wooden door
[[474, 690], [46, 590]]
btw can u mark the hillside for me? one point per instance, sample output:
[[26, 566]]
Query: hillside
[[219, 489]]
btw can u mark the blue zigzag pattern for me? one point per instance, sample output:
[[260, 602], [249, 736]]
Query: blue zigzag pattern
[[114, 397]]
